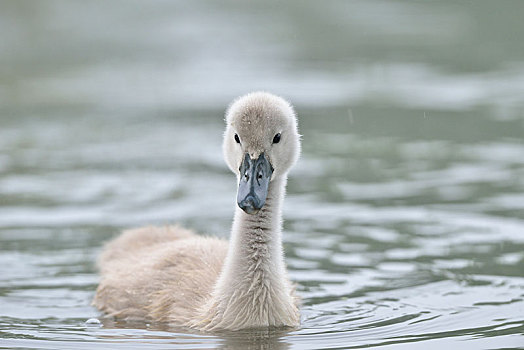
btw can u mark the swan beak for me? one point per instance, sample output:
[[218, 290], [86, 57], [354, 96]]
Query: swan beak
[[254, 183]]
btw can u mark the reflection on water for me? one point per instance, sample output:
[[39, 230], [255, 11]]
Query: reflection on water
[[404, 218]]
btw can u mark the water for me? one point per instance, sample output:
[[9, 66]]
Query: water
[[404, 217]]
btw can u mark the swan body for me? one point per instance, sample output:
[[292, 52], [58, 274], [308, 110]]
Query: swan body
[[170, 274]]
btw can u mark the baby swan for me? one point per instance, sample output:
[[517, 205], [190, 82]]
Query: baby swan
[[169, 274]]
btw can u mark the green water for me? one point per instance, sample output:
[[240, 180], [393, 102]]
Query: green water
[[404, 220]]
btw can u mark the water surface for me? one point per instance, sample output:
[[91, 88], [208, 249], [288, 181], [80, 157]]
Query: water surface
[[404, 220]]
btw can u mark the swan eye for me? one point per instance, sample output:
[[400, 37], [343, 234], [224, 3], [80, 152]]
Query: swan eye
[[237, 139], [276, 139]]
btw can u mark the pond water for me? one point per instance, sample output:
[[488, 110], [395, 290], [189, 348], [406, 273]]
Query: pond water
[[404, 220]]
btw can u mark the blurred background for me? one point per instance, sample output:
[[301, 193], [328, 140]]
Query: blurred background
[[405, 215]]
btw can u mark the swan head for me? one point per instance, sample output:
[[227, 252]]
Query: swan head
[[261, 144]]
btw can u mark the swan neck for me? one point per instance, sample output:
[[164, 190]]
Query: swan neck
[[253, 289], [255, 248], [252, 232]]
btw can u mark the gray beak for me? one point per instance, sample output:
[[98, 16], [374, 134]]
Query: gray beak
[[254, 183]]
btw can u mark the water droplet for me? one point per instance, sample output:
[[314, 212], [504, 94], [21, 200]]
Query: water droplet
[[93, 322]]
